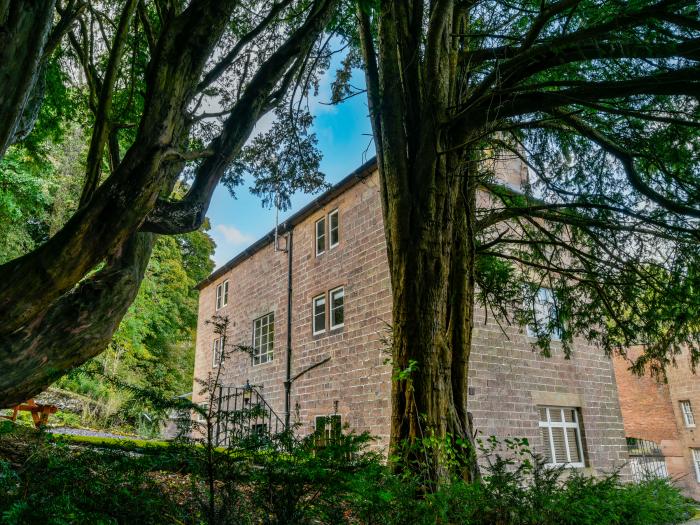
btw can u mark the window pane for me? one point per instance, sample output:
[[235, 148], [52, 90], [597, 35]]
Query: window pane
[[687, 410], [546, 447], [546, 316], [337, 307], [334, 228], [559, 445], [319, 314], [569, 415], [696, 461], [263, 339], [555, 415], [320, 236], [573, 445]]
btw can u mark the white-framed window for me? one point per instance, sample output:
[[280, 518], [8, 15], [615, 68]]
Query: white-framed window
[[319, 314], [546, 315], [561, 436], [263, 338], [320, 229], [222, 295], [216, 352], [696, 462], [337, 307], [687, 411], [328, 429], [333, 229]]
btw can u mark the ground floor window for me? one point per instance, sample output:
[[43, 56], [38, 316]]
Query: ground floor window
[[263, 338], [560, 429], [696, 462]]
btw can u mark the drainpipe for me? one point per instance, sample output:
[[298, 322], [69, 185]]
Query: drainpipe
[[288, 380]]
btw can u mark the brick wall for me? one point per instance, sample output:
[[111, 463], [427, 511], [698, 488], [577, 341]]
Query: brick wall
[[651, 411], [684, 384], [507, 377]]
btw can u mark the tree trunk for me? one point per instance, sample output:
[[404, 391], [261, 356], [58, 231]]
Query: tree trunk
[[428, 198], [75, 328], [433, 291]]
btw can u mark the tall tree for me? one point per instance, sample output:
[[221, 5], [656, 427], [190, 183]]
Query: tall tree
[[150, 69], [600, 100]]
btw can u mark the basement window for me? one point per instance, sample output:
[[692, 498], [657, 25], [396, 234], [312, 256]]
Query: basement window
[[263, 338], [320, 236], [334, 228], [319, 314], [687, 411], [328, 429], [222, 295], [561, 436], [337, 307]]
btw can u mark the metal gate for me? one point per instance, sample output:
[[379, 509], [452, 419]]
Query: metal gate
[[646, 459]]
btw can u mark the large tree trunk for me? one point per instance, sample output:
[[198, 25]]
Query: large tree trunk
[[75, 328], [428, 200], [432, 275]]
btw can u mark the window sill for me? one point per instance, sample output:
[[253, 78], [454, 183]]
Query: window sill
[[566, 466]]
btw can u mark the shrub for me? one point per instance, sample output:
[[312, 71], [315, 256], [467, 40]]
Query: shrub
[[278, 480]]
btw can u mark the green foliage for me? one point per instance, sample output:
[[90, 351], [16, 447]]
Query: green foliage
[[154, 345], [282, 161], [281, 480]]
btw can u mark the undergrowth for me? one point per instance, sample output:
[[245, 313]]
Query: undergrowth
[[279, 480]]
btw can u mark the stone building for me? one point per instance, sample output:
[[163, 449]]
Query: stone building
[[660, 421], [313, 303]]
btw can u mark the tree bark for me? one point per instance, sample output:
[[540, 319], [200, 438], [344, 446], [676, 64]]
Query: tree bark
[[433, 295], [428, 199], [24, 30], [75, 328]]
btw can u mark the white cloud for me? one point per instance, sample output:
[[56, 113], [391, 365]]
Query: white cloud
[[233, 235]]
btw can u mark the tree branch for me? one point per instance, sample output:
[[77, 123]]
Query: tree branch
[[101, 128], [187, 215]]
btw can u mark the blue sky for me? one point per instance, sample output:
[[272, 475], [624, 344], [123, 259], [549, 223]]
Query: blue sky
[[343, 134]]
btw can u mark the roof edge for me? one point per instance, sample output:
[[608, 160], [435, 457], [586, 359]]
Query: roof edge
[[343, 185]]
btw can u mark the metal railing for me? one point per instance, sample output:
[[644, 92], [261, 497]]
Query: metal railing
[[243, 413]]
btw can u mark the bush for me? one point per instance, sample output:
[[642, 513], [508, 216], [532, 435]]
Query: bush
[[278, 480], [519, 489]]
